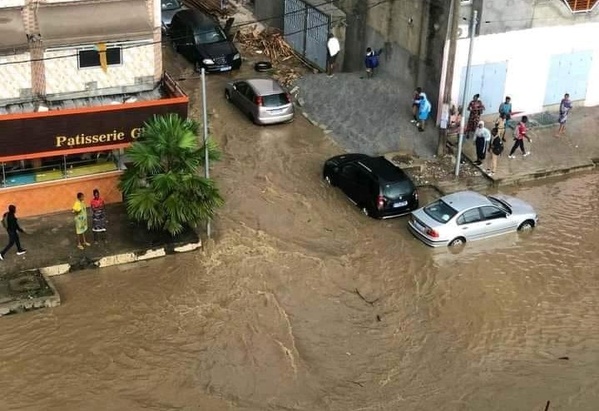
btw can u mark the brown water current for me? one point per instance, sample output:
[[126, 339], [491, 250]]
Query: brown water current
[[302, 303]]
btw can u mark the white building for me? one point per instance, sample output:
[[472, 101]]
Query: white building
[[534, 51], [59, 49]]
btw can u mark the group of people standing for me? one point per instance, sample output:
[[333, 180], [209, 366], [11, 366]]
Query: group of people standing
[[98, 218], [493, 141], [98, 214]]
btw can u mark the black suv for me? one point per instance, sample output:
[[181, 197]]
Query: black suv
[[202, 41], [378, 187]]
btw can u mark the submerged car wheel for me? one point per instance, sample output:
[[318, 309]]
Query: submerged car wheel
[[228, 96], [526, 225], [262, 66], [456, 242]]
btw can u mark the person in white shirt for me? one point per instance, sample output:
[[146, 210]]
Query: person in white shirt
[[482, 139], [333, 49]]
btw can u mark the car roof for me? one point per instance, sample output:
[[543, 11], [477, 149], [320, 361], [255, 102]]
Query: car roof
[[197, 17], [265, 86], [463, 200], [383, 168]]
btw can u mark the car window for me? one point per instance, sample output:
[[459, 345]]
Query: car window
[[363, 178], [397, 189], [440, 211], [492, 212], [241, 87], [170, 5], [500, 204], [470, 216], [275, 100], [213, 35], [349, 171]]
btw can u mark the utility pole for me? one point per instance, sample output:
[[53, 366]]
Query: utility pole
[[205, 121], [454, 12], [472, 28]]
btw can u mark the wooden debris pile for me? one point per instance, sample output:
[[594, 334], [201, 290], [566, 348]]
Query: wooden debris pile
[[269, 42]]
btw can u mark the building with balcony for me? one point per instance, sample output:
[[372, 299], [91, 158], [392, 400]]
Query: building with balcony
[[80, 78]]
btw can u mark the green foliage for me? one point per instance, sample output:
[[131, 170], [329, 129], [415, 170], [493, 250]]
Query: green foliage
[[163, 185]]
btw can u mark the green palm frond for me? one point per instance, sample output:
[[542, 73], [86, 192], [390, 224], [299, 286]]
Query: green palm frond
[[163, 186]]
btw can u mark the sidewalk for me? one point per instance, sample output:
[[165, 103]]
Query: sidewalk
[[577, 150], [51, 247], [372, 116]]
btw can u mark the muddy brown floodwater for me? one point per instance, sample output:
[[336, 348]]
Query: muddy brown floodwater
[[268, 317]]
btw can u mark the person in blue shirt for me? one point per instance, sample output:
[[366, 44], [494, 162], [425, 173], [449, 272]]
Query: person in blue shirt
[[505, 109], [371, 61], [424, 109]]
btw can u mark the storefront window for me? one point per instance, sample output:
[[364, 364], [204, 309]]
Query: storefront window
[[40, 170]]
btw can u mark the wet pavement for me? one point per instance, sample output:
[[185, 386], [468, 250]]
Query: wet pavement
[[365, 115], [303, 303]]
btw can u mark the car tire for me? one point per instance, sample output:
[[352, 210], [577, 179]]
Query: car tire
[[252, 119], [262, 66], [526, 225], [175, 47], [227, 96], [456, 242]]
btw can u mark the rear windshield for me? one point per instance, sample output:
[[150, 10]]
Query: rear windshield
[[275, 100], [440, 211], [170, 4], [214, 35], [400, 188]]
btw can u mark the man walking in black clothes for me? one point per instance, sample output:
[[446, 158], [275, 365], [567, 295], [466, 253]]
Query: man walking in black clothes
[[9, 221]]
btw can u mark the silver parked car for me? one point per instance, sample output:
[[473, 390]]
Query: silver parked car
[[264, 101], [467, 216], [168, 9]]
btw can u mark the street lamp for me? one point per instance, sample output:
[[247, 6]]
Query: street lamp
[[473, 24], [206, 156]]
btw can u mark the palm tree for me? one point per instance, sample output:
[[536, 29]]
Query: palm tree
[[163, 187]]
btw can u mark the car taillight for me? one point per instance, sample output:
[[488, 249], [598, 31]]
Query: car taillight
[[258, 100], [432, 233], [288, 96], [380, 202]]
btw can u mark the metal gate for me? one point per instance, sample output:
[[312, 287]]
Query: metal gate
[[306, 29]]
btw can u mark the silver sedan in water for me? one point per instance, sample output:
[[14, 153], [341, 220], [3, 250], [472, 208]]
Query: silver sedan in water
[[467, 216], [264, 101]]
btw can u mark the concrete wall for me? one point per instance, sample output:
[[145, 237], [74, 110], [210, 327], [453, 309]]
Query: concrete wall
[[500, 16], [412, 33], [270, 12], [15, 72], [528, 62], [63, 76]]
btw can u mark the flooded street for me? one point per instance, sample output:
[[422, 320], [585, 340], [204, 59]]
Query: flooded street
[[302, 303]]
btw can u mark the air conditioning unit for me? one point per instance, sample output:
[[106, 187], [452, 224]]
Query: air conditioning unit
[[463, 31]]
